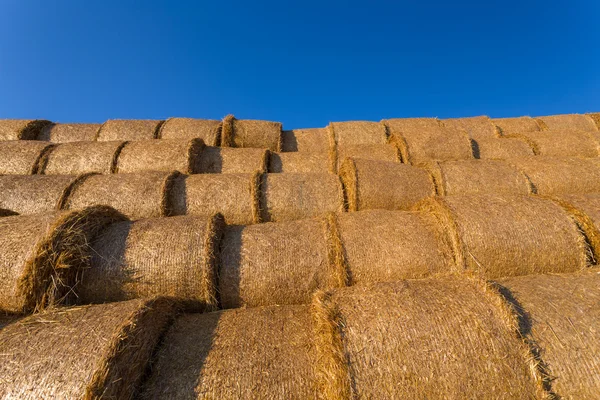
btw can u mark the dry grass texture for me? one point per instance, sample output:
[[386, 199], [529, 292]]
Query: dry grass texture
[[300, 162], [312, 140], [501, 148], [229, 160], [477, 127], [21, 157], [251, 133], [358, 133], [81, 158], [129, 129], [21, 129], [64, 133], [516, 125], [181, 155], [579, 122], [564, 143], [379, 152], [33, 194], [596, 119], [189, 128]]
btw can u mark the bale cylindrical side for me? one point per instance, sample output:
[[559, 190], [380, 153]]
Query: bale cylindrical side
[[129, 129], [300, 162], [233, 354], [419, 339], [502, 148], [596, 119], [88, 352], [189, 128], [42, 255], [516, 124], [372, 184], [312, 140], [139, 195], [229, 160], [564, 143], [173, 257], [182, 155], [21, 129], [580, 122], [379, 152], [477, 127], [358, 133], [251, 133], [64, 133], [33, 194], [21, 157], [81, 158], [286, 197]]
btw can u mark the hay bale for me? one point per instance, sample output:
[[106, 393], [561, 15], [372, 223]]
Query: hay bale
[[251, 133], [42, 255], [286, 197], [21, 129], [507, 235], [64, 133], [173, 257], [229, 160], [88, 352], [372, 184], [358, 133], [596, 119], [380, 152], [516, 125], [33, 194], [477, 127], [21, 157], [81, 158], [129, 129], [182, 155], [561, 143], [560, 314], [265, 353], [501, 148], [577, 122], [208, 130], [300, 162], [312, 140], [140, 195], [421, 339]]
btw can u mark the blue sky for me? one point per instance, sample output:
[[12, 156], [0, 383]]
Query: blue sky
[[302, 63]]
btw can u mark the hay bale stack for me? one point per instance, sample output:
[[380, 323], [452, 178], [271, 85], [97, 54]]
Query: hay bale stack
[[595, 118], [173, 257], [208, 130], [21, 157], [88, 352], [421, 339], [140, 195], [561, 315], [312, 140], [81, 158], [516, 125], [64, 133], [564, 143], [265, 353], [358, 133], [229, 160], [585, 209], [500, 236], [380, 152], [372, 184], [21, 129], [251, 133], [42, 255], [501, 148], [129, 129], [182, 155], [300, 162], [579, 122], [286, 197], [477, 127], [33, 194]]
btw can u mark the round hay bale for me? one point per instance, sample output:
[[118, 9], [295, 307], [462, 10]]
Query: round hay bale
[[21, 157], [560, 314], [312, 140], [88, 352], [420, 339], [265, 353], [173, 257], [182, 155], [596, 119], [358, 133], [561, 143], [507, 235], [208, 130], [300, 162], [477, 127], [129, 129], [578, 122], [379, 152], [251, 133], [230, 160], [42, 255], [140, 195], [286, 197], [370, 184], [501, 148], [31, 194], [64, 133], [81, 158], [21, 129], [516, 125]]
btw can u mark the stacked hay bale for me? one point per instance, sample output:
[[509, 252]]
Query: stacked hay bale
[[21, 129], [596, 119], [561, 143], [181, 155], [21, 157], [33, 194], [129, 129], [515, 125], [585, 209], [189, 128], [64, 133], [313, 140], [301, 162], [478, 128], [81, 158], [229, 160], [580, 122], [251, 133]]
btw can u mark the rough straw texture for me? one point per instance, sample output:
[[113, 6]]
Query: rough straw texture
[[21, 157], [501, 148], [21, 129], [380, 152], [63, 133], [33, 194], [516, 125], [80, 158], [182, 155], [596, 119], [129, 129], [227, 160], [251, 133], [358, 133], [563, 143], [208, 130], [265, 353], [477, 127], [88, 352], [313, 140], [568, 122], [300, 162]]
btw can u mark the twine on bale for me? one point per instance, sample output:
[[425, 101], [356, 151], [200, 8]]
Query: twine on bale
[[31, 194], [21, 129], [251, 133], [182, 155], [64, 133], [129, 129], [189, 128], [21, 157], [81, 158]]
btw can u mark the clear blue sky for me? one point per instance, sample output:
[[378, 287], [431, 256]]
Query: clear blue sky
[[302, 63]]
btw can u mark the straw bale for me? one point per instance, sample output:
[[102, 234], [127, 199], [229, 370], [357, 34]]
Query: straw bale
[[129, 129], [422, 339], [43, 253], [251, 133], [312, 140], [560, 314], [516, 125], [229, 160], [286, 197], [501, 148], [139, 195], [265, 353], [300, 162], [30, 194], [182, 155], [477, 127], [358, 133], [596, 119], [209, 130], [81, 158], [563, 143], [64, 133], [380, 152], [173, 257], [21, 157], [381, 184], [21, 129], [88, 352], [579, 122]]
